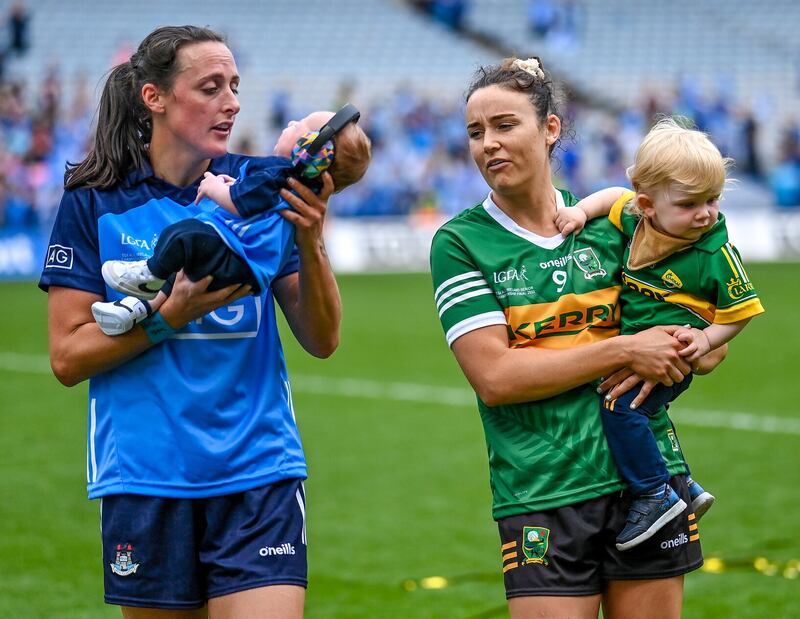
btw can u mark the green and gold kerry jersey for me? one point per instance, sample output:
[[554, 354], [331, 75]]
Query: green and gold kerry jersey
[[703, 284], [549, 293]]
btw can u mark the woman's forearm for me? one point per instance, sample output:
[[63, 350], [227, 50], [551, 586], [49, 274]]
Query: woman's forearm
[[503, 375], [78, 348], [311, 302]]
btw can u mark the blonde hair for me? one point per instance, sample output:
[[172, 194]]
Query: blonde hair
[[674, 153], [353, 151]]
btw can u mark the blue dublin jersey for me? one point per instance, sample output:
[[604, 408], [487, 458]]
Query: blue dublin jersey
[[262, 237], [206, 412]]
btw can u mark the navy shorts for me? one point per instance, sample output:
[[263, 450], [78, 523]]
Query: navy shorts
[[178, 553], [570, 551]]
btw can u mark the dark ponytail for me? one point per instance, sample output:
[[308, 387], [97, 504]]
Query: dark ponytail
[[124, 126]]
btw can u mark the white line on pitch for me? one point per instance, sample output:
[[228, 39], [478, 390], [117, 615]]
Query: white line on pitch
[[451, 396]]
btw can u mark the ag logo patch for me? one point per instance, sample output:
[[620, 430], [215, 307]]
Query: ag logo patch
[[58, 257], [588, 262], [535, 541]]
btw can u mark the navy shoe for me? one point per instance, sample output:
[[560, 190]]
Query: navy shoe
[[647, 515], [701, 500]]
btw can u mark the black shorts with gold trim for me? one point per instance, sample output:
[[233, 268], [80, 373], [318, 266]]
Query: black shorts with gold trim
[[571, 550]]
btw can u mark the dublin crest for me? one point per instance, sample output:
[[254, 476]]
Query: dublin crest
[[588, 262], [123, 562]]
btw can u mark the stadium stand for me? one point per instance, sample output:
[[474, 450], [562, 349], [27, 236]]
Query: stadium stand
[[731, 70], [406, 70]]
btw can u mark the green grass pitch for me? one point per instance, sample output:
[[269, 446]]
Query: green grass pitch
[[398, 487]]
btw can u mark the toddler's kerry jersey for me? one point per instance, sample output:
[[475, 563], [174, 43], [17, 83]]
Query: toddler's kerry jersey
[[703, 284], [549, 293]]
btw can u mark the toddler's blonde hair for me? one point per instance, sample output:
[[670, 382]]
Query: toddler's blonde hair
[[673, 153]]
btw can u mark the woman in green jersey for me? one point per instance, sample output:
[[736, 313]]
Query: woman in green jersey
[[533, 320]]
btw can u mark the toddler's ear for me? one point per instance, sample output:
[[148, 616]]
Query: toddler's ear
[[644, 203]]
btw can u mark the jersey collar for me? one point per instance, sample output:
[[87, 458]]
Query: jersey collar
[[715, 238], [509, 224], [145, 173]]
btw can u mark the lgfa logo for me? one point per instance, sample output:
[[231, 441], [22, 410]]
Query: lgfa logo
[[673, 543], [127, 239], [500, 277]]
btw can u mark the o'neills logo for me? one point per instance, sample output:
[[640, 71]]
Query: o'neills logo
[[672, 543], [283, 549], [558, 262]]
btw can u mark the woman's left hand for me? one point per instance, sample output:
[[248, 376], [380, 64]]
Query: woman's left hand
[[622, 381], [625, 379], [308, 210]]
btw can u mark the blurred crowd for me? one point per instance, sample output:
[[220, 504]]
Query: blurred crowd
[[421, 161]]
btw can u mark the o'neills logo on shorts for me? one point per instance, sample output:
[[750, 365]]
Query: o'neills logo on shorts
[[283, 549], [673, 543]]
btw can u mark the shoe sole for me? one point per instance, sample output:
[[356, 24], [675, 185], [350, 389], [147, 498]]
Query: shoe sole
[[702, 503], [109, 323], [140, 293], [671, 513]]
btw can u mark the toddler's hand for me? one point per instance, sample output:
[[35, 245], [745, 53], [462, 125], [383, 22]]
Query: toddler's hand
[[570, 220], [696, 341], [214, 186], [217, 187]]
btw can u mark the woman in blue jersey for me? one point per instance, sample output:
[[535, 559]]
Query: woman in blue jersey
[[531, 317], [192, 443]]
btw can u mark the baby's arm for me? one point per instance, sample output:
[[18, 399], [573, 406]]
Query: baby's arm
[[218, 188], [699, 342], [598, 204]]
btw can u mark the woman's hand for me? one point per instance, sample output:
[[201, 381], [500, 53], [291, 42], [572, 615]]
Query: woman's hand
[[655, 355], [308, 211], [190, 300], [623, 381]]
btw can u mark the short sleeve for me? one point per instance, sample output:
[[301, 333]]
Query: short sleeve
[[464, 300], [736, 297], [624, 222], [72, 259]]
